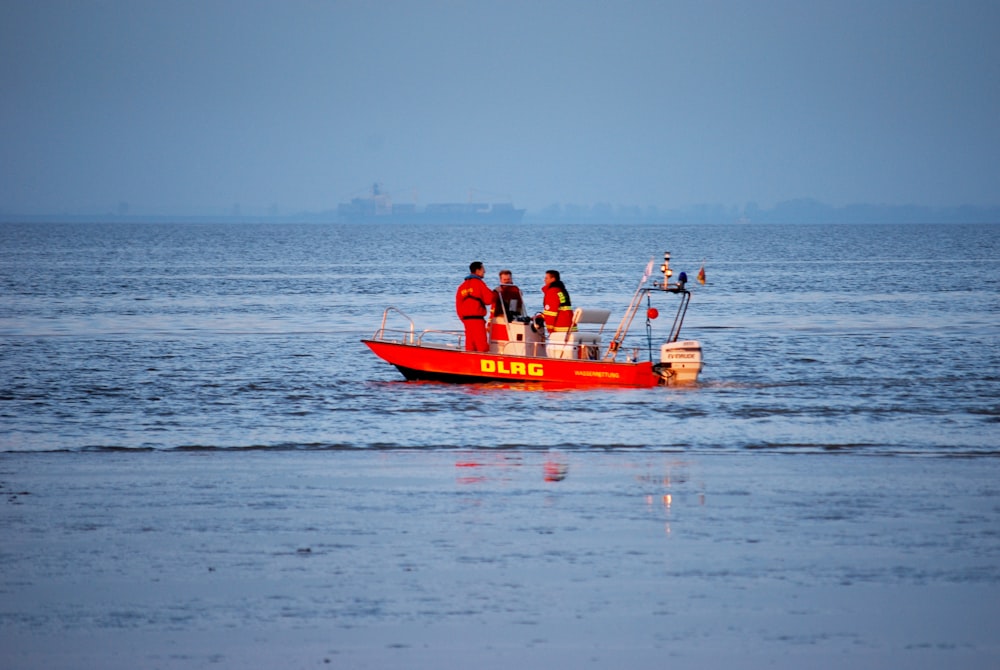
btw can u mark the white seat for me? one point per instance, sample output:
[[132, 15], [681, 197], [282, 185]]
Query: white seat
[[591, 316], [579, 343]]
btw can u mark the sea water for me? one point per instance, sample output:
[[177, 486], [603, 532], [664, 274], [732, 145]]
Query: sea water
[[202, 466], [862, 338]]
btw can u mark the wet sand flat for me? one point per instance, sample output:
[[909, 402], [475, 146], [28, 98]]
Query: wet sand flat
[[498, 558]]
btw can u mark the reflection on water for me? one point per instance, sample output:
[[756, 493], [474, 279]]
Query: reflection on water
[[490, 466], [556, 468], [658, 486]]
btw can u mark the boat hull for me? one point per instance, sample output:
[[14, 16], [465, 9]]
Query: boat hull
[[446, 364]]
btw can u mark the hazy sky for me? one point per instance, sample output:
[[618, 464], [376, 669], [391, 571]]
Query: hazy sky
[[178, 106]]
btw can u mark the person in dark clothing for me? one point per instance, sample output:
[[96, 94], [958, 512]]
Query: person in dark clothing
[[510, 302]]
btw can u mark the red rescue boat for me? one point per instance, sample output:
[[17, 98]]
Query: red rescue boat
[[577, 358]]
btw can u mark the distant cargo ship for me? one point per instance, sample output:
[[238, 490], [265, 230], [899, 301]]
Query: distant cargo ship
[[378, 206]]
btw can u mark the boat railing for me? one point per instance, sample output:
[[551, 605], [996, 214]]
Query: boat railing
[[430, 338], [405, 336], [437, 339]]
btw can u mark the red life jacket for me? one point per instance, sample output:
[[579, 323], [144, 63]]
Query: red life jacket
[[557, 309], [472, 297]]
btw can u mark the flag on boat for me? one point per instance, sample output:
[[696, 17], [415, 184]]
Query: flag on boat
[[701, 275], [647, 273]]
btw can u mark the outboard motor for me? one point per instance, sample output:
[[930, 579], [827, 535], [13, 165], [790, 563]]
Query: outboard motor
[[680, 362]]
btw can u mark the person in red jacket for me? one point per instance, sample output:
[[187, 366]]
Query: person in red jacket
[[556, 306], [472, 300]]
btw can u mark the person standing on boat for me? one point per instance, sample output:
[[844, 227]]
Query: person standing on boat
[[510, 302], [556, 306], [508, 306], [471, 300]]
